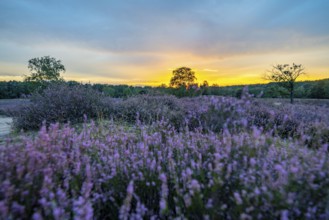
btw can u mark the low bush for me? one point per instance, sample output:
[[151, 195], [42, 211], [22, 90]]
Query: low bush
[[310, 123], [216, 113], [59, 103], [316, 135], [279, 123], [149, 109]]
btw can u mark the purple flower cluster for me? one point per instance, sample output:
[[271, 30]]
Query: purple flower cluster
[[139, 171], [199, 158]]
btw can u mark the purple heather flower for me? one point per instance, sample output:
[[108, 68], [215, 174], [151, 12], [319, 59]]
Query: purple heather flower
[[285, 215]]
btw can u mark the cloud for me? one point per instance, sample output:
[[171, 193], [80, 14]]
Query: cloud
[[121, 38], [208, 28], [209, 70], [10, 74]]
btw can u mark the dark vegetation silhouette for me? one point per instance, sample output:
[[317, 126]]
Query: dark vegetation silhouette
[[182, 77], [286, 75], [318, 89], [45, 69]]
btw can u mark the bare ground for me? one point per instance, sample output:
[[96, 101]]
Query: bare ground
[[5, 125]]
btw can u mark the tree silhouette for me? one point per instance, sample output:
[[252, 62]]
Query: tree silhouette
[[182, 77], [44, 69], [286, 75]]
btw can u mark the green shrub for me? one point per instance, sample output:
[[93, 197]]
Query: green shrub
[[149, 109], [60, 103]]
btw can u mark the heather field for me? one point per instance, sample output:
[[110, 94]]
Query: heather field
[[87, 156]]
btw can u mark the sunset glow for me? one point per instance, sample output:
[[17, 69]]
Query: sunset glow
[[140, 43]]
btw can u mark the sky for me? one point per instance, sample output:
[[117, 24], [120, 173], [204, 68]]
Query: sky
[[140, 42]]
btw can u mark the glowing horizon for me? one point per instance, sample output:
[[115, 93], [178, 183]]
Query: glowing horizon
[[224, 42]]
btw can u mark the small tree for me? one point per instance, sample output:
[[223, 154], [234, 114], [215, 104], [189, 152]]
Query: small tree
[[44, 69], [182, 77], [286, 75], [205, 84], [204, 87]]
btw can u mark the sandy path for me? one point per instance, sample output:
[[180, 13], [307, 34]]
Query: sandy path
[[5, 125]]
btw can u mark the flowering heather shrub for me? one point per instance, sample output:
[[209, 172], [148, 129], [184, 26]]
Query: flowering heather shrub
[[210, 114], [190, 158], [310, 123], [216, 113], [316, 135], [149, 109], [59, 103], [305, 113], [155, 172], [281, 123]]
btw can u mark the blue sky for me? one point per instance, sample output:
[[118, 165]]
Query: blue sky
[[141, 41]]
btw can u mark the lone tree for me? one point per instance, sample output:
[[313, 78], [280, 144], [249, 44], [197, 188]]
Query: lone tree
[[45, 69], [182, 77], [286, 75]]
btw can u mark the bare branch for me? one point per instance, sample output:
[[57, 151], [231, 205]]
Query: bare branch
[[284, 73]]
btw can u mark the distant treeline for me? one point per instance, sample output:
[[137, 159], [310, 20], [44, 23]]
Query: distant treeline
[[318, 89]]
